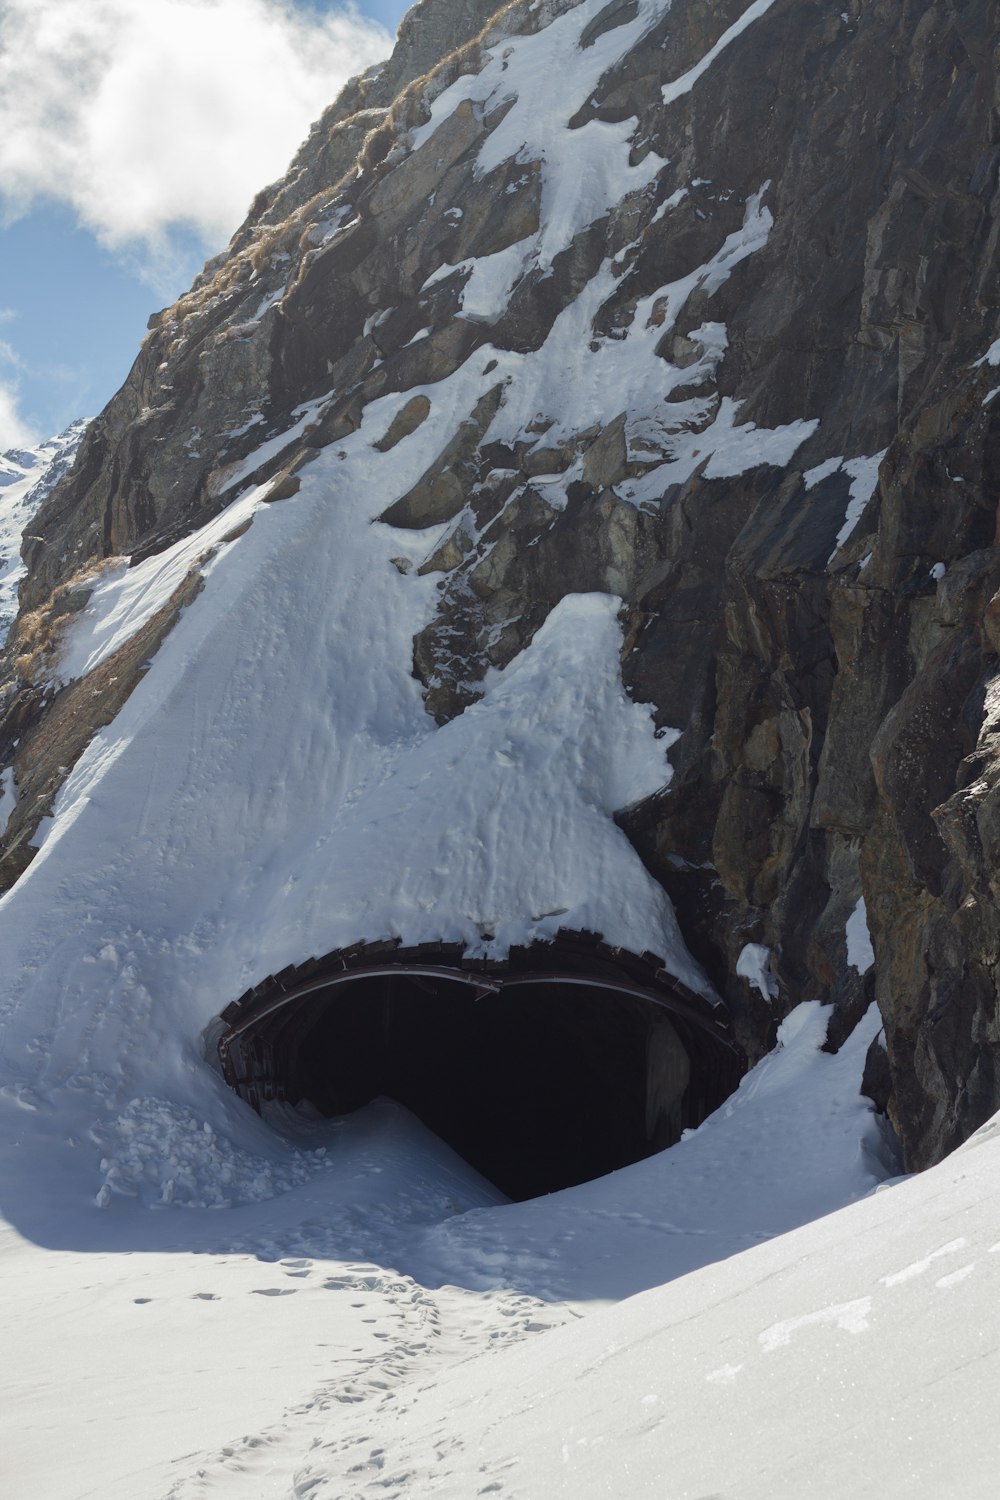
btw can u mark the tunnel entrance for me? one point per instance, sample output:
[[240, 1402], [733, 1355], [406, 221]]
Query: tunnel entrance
[[565, 1061]]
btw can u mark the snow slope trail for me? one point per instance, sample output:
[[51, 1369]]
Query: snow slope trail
[[859, 1356], [420, 1336], [215, 1352]]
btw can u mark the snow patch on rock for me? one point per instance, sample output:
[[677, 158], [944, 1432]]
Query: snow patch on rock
[[754, 965], [860, 953]]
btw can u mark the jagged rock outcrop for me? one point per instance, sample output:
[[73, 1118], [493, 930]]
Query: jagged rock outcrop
[[738, 275]]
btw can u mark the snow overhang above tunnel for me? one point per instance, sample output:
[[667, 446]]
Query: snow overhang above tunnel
[[498, 828], [563, 1061]]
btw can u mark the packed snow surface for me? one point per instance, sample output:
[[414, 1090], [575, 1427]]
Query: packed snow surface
[[856, 1356], [303, 1343]]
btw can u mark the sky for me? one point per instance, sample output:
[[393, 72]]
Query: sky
[[133, 137]]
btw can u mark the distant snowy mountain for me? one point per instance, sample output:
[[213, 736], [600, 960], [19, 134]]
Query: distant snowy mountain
[[27, 478]]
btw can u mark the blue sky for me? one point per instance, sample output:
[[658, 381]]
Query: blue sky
[[133, 134]]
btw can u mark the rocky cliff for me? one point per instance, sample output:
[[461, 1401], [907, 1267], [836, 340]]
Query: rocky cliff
[[706, 296]]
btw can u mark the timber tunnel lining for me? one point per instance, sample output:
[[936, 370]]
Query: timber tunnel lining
[[556, 1065]]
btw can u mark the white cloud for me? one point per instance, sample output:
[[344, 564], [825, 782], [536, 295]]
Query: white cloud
[[143, 115], [15, 432]]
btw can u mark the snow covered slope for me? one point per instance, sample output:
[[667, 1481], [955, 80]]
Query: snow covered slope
[[253, 1351], [857, 1356]]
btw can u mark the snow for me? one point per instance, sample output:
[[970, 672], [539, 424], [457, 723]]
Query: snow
[[252, 420], [813, 477], [209, 1171], [217, 1350], [626, 374], [862, 473], [273, 446], [489, 279], [126, 598], [687, 81], [267, 302], [791, 1370], [672, 202], [860, 953], [545, 78], [585, 172], [513, 821], [754, 965]]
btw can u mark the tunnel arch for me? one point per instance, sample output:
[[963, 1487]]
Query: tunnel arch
[[561, 1062]]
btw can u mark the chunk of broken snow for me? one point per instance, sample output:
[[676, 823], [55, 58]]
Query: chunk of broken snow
[[754, 965]]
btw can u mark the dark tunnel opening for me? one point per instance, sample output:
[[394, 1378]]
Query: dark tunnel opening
[[540, 1080]]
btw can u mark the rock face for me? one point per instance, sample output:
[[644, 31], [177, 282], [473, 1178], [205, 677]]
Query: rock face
[[737, 264]]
